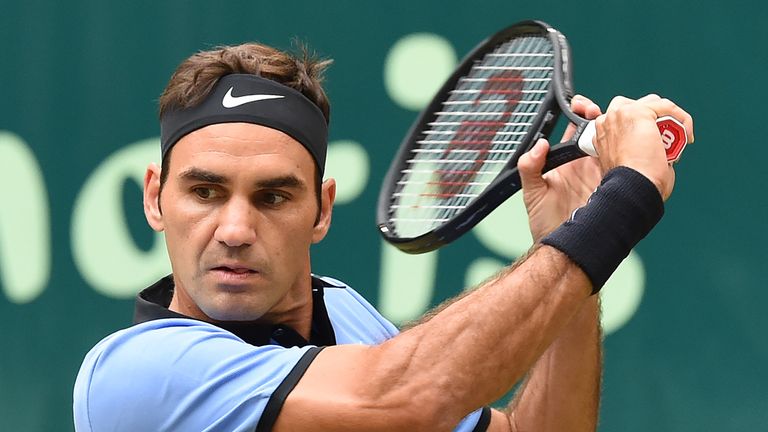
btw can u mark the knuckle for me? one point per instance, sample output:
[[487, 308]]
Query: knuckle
[[600, 121], [582, 98], [618, 100], [625, 111], [667, 104], [576, 102]]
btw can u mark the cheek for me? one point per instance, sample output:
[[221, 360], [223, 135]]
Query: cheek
[[187, 229], [292, 230]]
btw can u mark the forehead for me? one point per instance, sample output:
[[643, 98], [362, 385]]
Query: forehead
[[241, 146]]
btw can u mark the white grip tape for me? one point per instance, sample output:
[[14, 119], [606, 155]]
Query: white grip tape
[[585, 140]]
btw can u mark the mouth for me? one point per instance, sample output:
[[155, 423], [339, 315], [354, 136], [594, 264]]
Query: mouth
[[234, 269], [233, 273]]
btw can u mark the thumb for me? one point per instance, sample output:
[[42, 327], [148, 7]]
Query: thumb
[[530, 165]]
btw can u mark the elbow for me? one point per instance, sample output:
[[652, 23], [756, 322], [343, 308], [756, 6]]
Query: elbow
[[413, 397], [412, 415]]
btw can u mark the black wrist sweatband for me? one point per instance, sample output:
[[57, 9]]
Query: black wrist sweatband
[[620, 213]]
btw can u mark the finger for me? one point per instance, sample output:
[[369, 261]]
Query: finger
[[592, 111], [618, 102], [583, 107], [530, 165], [680, 114], [664, 106], [670, 184], [649, 97], [660, 107]]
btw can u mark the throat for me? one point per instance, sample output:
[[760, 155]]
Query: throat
[[298, 317]]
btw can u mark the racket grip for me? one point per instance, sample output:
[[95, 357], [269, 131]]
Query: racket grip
[[673, 135], [585, 140]]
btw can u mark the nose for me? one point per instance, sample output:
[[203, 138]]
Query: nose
[[236, 224]]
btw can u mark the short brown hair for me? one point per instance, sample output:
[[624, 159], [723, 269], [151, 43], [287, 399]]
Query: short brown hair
[[196, 76]]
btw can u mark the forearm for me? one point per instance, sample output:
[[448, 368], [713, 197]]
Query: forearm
[[472, 352], [562, 391], [466, 356]]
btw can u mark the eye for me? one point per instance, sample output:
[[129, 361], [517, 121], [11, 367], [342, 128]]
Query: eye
[[204, 193], [274, 198]]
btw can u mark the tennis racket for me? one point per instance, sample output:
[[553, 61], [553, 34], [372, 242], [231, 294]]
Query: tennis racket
[[459, 159]]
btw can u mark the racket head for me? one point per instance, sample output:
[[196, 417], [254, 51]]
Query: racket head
[[458, 161]]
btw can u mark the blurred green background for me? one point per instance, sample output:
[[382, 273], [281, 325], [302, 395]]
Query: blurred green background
[[79, 81]]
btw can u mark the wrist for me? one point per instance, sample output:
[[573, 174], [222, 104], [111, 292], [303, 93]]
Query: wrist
[[620, 213], [657, 173]]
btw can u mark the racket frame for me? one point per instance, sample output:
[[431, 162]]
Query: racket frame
[[507, 182]]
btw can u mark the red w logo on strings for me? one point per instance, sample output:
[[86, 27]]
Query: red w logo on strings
[[477, 135]]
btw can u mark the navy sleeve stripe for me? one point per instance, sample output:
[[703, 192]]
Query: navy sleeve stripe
[[484, 421], [276, 401]]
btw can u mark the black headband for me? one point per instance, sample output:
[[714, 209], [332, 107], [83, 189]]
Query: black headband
[[252, 99]]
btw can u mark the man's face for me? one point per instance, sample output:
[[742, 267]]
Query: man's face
[[239, 211]]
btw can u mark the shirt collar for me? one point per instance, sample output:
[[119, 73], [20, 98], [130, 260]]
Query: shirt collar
[[152, 303]]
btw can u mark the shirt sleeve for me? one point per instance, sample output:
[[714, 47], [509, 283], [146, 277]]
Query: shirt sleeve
[[477, 421], [184, 376], [353, 318]]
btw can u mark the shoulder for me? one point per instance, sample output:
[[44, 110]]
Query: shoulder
[[353, 318], [179, 373]]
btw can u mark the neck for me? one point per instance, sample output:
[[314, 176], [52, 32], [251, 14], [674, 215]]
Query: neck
[[293, 310], [297, 315]]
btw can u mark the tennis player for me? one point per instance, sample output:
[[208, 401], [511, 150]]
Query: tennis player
[[242, 336]]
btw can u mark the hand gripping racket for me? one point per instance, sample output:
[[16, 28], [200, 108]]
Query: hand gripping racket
[[459, 159]]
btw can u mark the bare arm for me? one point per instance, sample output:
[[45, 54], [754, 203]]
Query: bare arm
[[434, 374], [562, 391], [471, 353]]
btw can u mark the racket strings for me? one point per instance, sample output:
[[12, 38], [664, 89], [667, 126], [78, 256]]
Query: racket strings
[[475, 132]]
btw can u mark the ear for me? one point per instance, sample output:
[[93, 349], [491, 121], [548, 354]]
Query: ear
[[152, 198], [327, 196]]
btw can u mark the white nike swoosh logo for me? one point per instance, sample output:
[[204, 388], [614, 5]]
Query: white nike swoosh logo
[[230, 101]]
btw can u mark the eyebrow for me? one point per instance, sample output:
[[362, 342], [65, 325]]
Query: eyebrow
[[286, 181], [196, 174]]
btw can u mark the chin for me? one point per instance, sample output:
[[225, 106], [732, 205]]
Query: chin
[[235, 313]]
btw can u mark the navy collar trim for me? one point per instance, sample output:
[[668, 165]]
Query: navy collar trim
[[152, 304]]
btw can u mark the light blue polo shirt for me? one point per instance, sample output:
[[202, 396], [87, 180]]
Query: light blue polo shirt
[[169, 372]]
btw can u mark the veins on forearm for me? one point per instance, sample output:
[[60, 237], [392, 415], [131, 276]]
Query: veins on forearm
[[500, 329], [469, 290]]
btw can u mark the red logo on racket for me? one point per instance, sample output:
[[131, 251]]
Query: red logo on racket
[[673, 137], [478, 135]]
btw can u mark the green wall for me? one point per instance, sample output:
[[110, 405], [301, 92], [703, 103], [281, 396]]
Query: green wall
[[79, 81]]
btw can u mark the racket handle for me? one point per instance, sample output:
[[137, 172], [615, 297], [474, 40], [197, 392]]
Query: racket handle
[[673, 135]]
